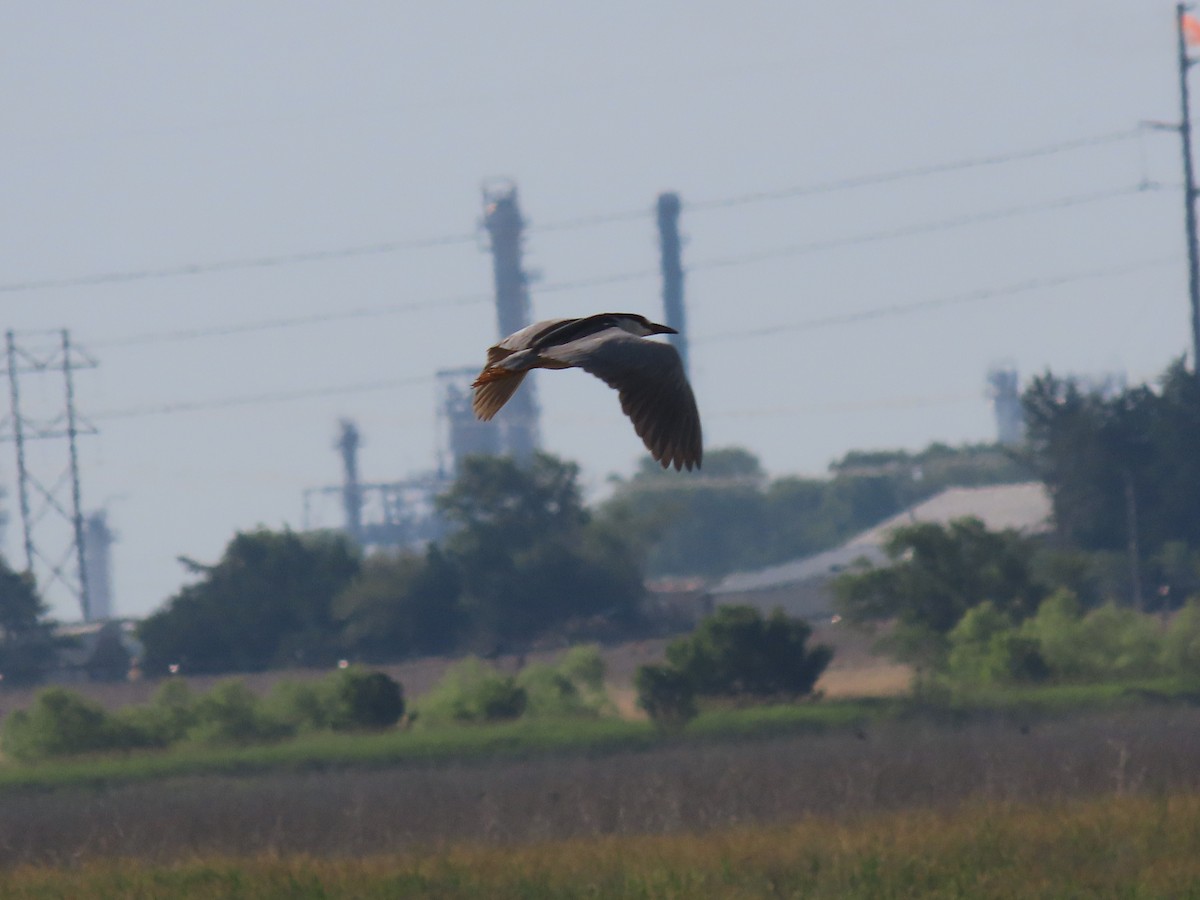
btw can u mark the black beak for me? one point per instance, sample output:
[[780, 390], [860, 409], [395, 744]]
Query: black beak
[[663, 329]]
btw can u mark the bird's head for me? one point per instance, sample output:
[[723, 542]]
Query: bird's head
[[640, 325]]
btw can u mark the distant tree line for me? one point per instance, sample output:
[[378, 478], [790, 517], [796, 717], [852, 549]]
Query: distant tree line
[[733, 517], [1123, 472], [28, 647], [524, 558]]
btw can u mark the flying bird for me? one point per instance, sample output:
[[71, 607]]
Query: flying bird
[[647, 375]]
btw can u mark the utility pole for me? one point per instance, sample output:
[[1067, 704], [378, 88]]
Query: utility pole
[[1189, 184], [667, 210], [55, 490], [503, 222]]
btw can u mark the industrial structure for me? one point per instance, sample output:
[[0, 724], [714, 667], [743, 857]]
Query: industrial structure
[[1005, 395], [670, 249], [48, 489], [377, 514], [464, 434], [504, 225], [98, 538]]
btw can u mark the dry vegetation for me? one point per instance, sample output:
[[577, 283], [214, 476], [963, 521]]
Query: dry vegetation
[[1094, 805], [1119, 847], [675, 787]]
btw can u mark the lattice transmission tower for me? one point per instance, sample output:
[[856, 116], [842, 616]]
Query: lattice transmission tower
[[52, 524]]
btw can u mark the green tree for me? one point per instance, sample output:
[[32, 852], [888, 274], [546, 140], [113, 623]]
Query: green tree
[[1120, 465], [365, 699], [1105, 643], [528, 556], [473, 691], [27, 644], [696, 524], [401, 605], [231, 713], [59, 723], [733, 517], [986, 648], [737, 652], [936, 573], [267, 602], [572, 687], [1181, 644], [666, 694]]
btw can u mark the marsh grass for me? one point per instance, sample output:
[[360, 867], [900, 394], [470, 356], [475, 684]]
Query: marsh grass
[[539, 737], [667, 787], [1114, 847]]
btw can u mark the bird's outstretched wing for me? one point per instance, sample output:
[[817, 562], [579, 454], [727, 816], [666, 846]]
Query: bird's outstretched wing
[[654, 390]]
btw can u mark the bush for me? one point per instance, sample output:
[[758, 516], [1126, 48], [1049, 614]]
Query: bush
[[584, 666], [573, 687], [737, 652], [231, 714], [60, 723], [473, 691], [549, 692], [1109, 642], [985, 648], [303, 705], [666, 694], [363, 699], [1181, 644]]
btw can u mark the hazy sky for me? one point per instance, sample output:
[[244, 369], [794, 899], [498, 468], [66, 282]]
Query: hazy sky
[[144, 137]]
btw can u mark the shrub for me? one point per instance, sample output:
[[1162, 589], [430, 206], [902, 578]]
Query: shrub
[[473, 691], [363, 699], [985, 648], [737, 652], [573, 687], [584, 666], [1181, 643], [59, 723], [1055, 629], [549, 692], [304, 705], [666, 694], [231, 714], [1109, 642]]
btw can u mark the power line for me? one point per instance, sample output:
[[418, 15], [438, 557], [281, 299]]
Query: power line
[[809, 324], [924, 228], [588, 221], [619, 277], [250, 262], [264, 399], [365, 312], [898, 309], [916, 171]]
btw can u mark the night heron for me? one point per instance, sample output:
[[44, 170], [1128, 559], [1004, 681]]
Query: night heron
[[648, 375]]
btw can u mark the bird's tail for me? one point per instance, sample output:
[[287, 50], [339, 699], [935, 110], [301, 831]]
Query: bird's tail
[[492, 374], [493, 387]]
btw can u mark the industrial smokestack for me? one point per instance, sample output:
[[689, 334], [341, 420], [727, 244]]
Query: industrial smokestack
[[504, 225], [672, 271], [347, 444]]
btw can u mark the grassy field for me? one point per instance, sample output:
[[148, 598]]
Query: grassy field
[[326, 751], [660, 788], [1115, 847], [1050, 792]]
